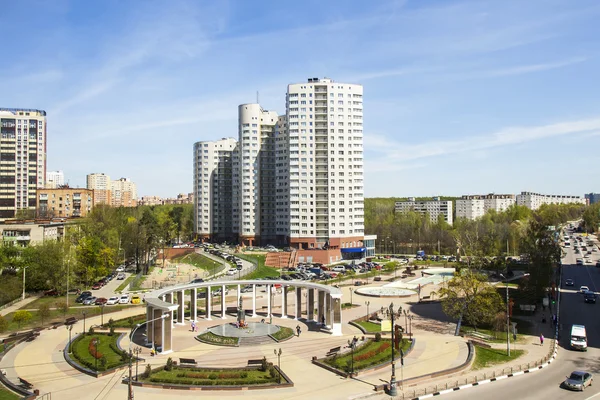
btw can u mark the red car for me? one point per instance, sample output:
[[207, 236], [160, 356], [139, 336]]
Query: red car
[[52, 292], [97, 286], [100, 301]]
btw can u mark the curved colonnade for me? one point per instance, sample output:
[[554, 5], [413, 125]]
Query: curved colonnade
[[170, 301]]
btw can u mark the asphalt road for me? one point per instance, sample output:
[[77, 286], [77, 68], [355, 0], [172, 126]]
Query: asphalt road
[[545, 384]]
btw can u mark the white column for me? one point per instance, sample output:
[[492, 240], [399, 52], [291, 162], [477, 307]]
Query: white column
[[194, 304], [223, 307], [239, 295], [283, 302], [208, 303], [269, 288], [254, 301], [181, 308], [298, 302]]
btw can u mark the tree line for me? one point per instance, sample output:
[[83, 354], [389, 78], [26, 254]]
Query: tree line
[[91, 247]]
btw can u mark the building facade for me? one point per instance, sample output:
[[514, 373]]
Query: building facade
[[22, 159], [475, 206], [534, 201], [54, 179], [24, 233], [100, 184], [213, 189], [434, 208], [295, 179], [593, 198], [123, 193], [64, 202]]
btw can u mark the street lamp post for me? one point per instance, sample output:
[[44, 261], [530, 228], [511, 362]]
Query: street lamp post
[[129, 386], [351, 291], [137, 352], [278, 354], [392, 389], [410, 318], [101, 314], [507, 318], [24, 268], [352, 345], [406, 313], [69, 328], [367, 303]]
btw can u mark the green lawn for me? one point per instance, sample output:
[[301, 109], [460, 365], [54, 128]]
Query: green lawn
[[487, 357], [220, 340], [1, 347], [106, 347], [200, 261], [51, 301], [366, 355], [370, 326], [209, 377], [523, 328], [56, 315], [8, 395], [125, 322], [283, 333], [124, 284], [262, 271]]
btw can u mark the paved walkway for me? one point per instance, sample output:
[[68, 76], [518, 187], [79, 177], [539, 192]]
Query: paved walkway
[[41, 361], [19, 304]]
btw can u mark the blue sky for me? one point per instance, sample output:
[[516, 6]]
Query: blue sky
[[460, 96]]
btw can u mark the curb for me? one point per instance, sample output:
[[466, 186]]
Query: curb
[[499, 378]]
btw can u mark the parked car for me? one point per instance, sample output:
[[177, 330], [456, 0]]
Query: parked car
[[231, 271], [51, 292], [124, 299], [83, 296], [247, 289], [97, 286], [136, 299], [90, 300], [197, 280], [339, 268], [578, 380], [111, 301], [100, 301]]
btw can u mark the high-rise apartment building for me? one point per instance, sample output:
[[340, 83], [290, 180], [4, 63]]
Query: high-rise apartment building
[[295, 179], [475, 206], [593, 198], [123, 193], [100, 184], [54, 179], [534, 201], [22, 159], [434, 208], [213, 189]]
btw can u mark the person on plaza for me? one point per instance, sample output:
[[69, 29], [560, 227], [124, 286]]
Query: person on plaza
[[298, 330], [193, 326], [541, 339], [322, 320]]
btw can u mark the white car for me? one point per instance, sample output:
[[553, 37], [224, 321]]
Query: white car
[[231, 271], [339, 268], [124, 299], [583, 289], [112, 301], [120, 268]]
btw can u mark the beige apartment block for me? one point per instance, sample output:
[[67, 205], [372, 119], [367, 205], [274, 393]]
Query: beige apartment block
[[23, 233], [23, 159], [64, 202], [123, 193], [100, 184]]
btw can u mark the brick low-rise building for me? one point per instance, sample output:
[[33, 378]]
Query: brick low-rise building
[[64, 202]]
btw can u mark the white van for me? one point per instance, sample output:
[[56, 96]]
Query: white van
[[578, 338]]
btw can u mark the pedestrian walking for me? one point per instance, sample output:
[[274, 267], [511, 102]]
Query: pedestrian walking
[[322, 320], [541, 339], [298, 330], [193, 326]]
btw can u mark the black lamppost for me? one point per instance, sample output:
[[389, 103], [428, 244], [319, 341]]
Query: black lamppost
[[352, 345], [69, 328], [137, 352], [278, 354], [392, 389], [410, 318], [367, 303], [406, 313]]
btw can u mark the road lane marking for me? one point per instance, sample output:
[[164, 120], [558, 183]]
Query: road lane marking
[[597, 394]]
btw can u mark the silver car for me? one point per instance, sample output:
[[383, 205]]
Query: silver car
[[578, 380], [90, 300]]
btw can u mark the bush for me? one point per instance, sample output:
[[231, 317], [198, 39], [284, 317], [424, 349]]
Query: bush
[[212, 376], [21, 316], [111, 331], [378, 337], [130, 322], [264, 364], [91, 330], [272, 371], [169, 365], [3, 324], [111, 323], [147, 372]]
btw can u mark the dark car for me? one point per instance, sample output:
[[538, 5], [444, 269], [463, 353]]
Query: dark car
[[97, 286], [589, 297], [598, 264], [197, 280], [286, 277], [51, 292], [578, 380], [81, 298], [569, 282]]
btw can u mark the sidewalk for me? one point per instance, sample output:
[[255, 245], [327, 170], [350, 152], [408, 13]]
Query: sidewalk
[[18, 305]]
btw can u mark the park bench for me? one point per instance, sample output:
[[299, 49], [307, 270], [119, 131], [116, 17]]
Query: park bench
[[70, 321], [333, 351], [482, 336], [187, 361], [377, 279], [25, 384], [32, 336], [255, 362]]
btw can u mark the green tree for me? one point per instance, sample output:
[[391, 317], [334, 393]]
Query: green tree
[[3, 324], [63, 307], [44, 312], [21, 316], [470, 296]]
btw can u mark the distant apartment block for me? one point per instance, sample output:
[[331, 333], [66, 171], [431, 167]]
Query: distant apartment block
[[64, 202], [182, 198], [123, 193], [22, 160], [100, 184], [434, 208], [534, 201], [23, 233], [593, 198], [475, 206], [54, 179]]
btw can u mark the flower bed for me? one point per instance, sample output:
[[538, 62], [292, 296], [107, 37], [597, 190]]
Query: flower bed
[[211, 338], [101, 356], [283, 333], [369, 354], [212, 377]]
